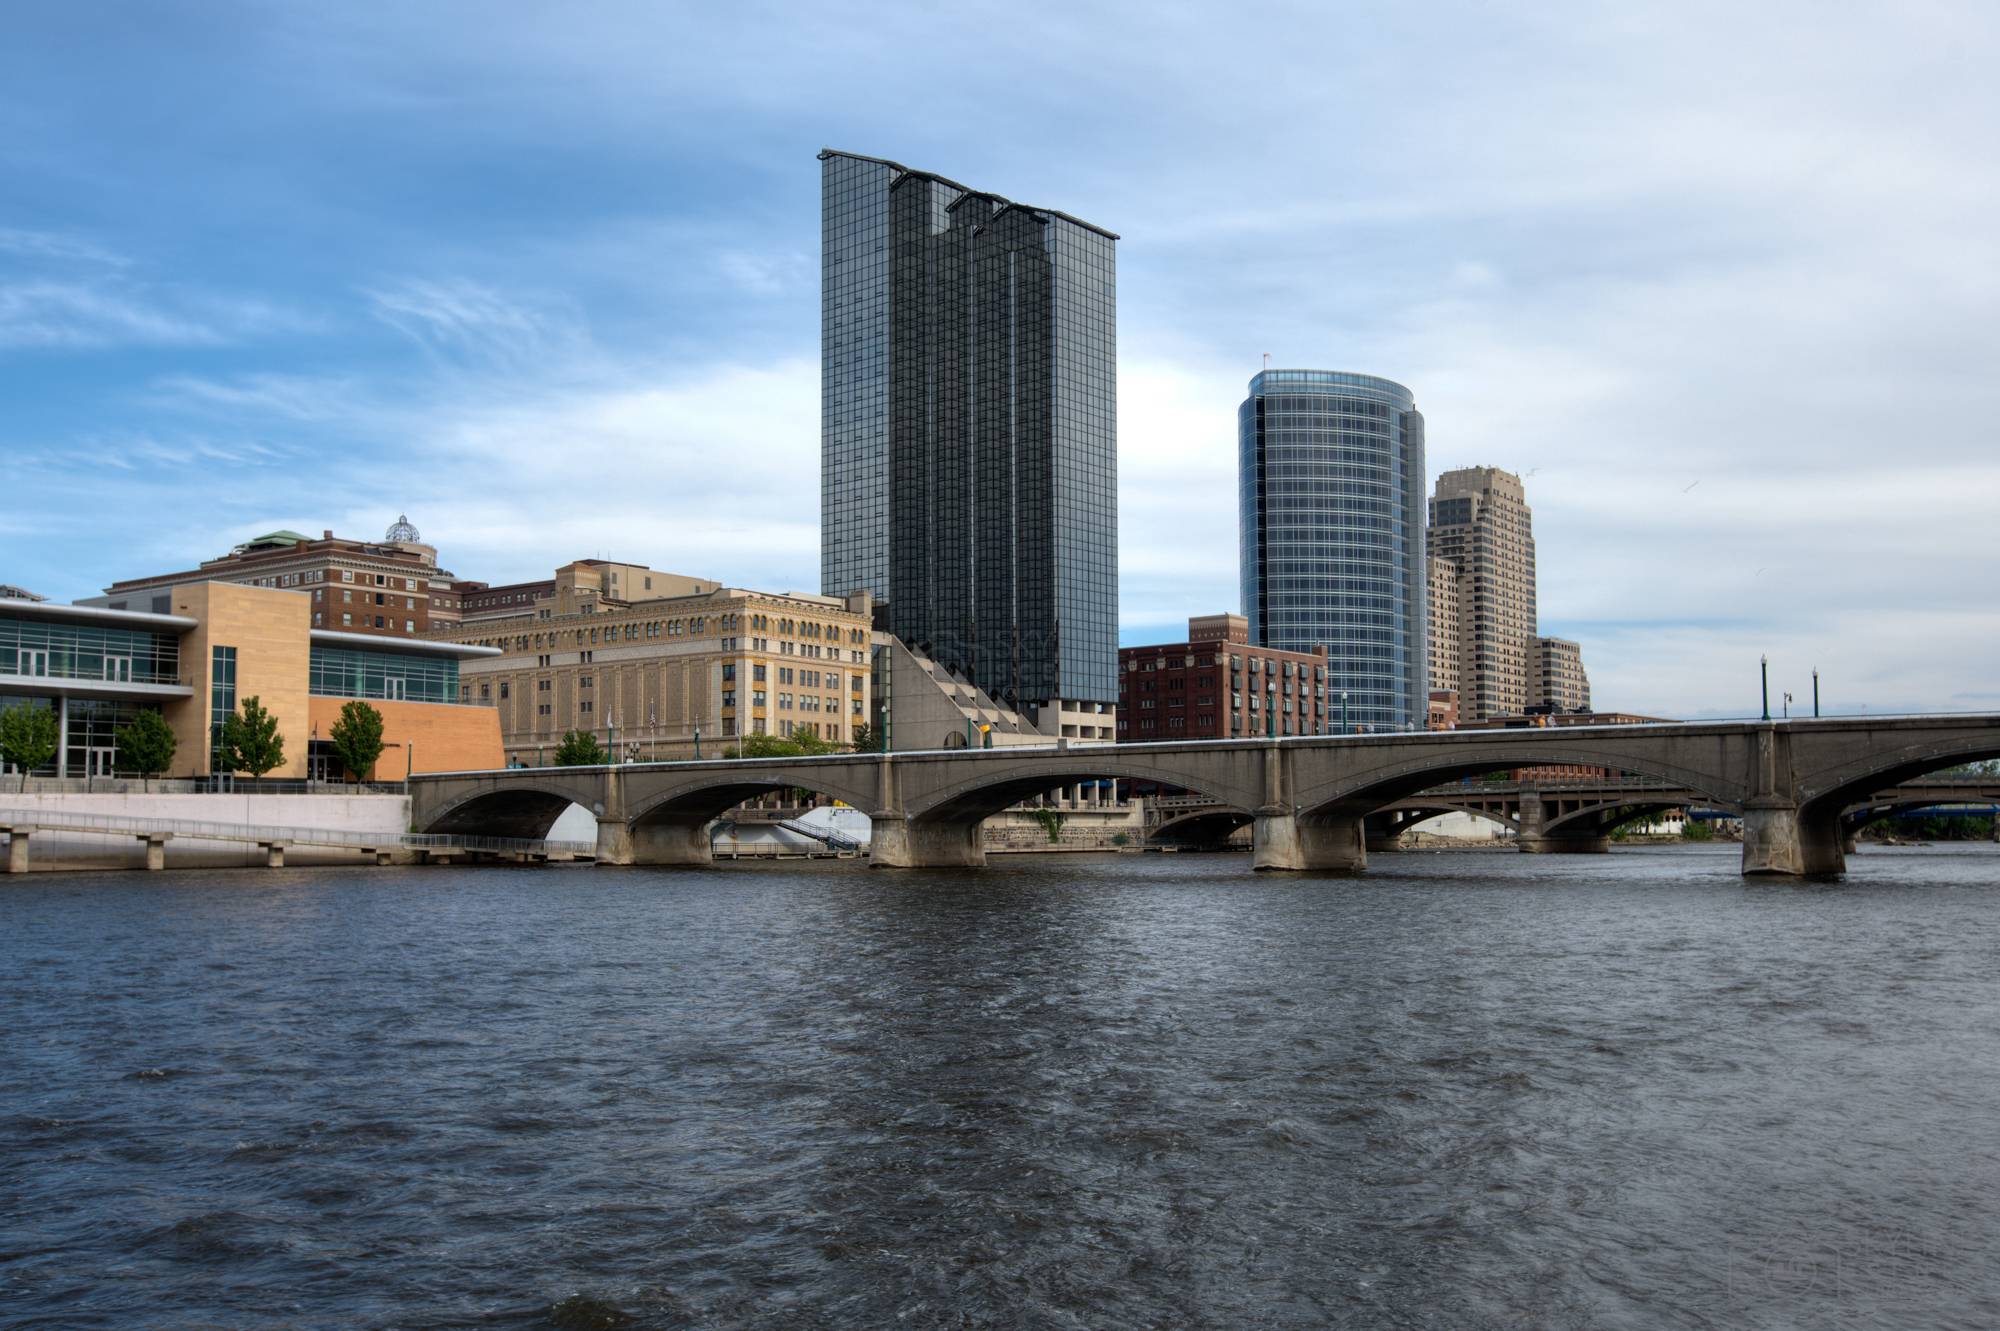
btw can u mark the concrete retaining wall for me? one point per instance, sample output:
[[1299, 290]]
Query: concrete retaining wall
[[374, 814]]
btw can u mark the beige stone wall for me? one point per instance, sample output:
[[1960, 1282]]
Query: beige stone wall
[[423, 736], [655, 670], [1444, 644], [270, 629], [1556, 677], [1488, 533]]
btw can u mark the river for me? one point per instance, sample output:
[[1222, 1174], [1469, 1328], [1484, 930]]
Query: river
[[1464, 1090]]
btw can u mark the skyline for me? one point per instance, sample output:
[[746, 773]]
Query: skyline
[[296, 251]]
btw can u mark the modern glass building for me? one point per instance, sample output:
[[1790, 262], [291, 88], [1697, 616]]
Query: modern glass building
[[1330, 482], [969, 437], [94, 669]]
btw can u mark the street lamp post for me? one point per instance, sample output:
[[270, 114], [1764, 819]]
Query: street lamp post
[[1764, 670], [1271, 711], [1815, 693], [697, 741], [1343, 711], [1788, 704]]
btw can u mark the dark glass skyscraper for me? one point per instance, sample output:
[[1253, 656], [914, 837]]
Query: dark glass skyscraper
[[969, 433], [1330, 479]]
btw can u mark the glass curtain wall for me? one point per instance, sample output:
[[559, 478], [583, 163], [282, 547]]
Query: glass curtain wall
[[969, 431], [1331, 494], [87, 651], [341, 672]]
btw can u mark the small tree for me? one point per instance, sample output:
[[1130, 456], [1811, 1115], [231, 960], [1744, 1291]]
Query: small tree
[[579, 748], [27, 738], [810, 744], [357, 739], [864, 737], [146, 746], [250, 739], [765, 746]]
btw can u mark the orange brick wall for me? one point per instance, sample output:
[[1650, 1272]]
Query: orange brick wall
[[448, 737]]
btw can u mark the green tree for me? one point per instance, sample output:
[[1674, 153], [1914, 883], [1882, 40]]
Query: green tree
[[27, 737], [764, 746], [865, 738], [250, 739], [579, 748], [357, 739], [811, 745], [146, 746]]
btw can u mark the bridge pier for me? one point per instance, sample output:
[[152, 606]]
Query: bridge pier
[[1777, 840], [274, 854], [156, 848], [1285, 840], [17, 850], [656, 841], [897, 841]]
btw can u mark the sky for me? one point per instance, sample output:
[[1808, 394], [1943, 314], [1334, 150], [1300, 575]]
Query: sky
[[1721, 282]]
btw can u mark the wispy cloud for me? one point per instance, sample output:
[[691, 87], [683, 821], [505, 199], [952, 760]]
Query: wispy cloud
[[283, 397], [53, 246], [463, 320], [74, 316]]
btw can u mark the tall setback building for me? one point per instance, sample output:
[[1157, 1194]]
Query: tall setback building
[[1557, 681], [969, 433], [1330, 482], [1480, 526]]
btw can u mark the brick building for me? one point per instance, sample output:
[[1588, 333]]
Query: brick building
[[1217, 685], [388, 588]]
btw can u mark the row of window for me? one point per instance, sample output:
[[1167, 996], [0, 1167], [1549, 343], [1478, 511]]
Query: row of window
[[86, 651]]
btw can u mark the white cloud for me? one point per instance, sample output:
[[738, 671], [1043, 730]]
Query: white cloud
[[71, 315], [464, 319]]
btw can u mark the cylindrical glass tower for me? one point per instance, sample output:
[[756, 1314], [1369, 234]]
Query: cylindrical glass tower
[[1330, 479]]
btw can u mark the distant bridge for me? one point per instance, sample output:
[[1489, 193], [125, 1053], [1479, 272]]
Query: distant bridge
[[1307, 798], [1571, 813]]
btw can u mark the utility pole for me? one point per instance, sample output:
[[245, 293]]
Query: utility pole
[[1764, 669]]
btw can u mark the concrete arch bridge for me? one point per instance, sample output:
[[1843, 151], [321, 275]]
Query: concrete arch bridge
[[1570, 813], [1309, 799]]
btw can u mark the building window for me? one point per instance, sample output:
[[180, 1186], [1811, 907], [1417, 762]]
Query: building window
[[221, 695]]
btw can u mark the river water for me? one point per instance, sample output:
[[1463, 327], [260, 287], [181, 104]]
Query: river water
[[1465, 1090]]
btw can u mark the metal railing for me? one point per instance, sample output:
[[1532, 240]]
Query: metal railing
[[53, 820], [10, 784], [826, 836]]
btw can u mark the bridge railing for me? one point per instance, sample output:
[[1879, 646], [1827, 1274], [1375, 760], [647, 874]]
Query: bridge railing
[[194, 830]]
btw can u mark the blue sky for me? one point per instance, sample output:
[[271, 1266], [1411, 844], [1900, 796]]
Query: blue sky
[[1720, 281]]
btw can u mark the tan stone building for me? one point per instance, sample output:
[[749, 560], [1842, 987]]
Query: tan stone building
[[647, 660], [1480, 523], [1442, 636], [1557, 681], [388, 588]]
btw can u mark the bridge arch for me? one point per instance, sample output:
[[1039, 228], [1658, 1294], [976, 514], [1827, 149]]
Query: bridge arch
[[513, 810], [1200, 827], [707, 797], [1399, 778], [1833, 790], [982, 795], [1415, 813]]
